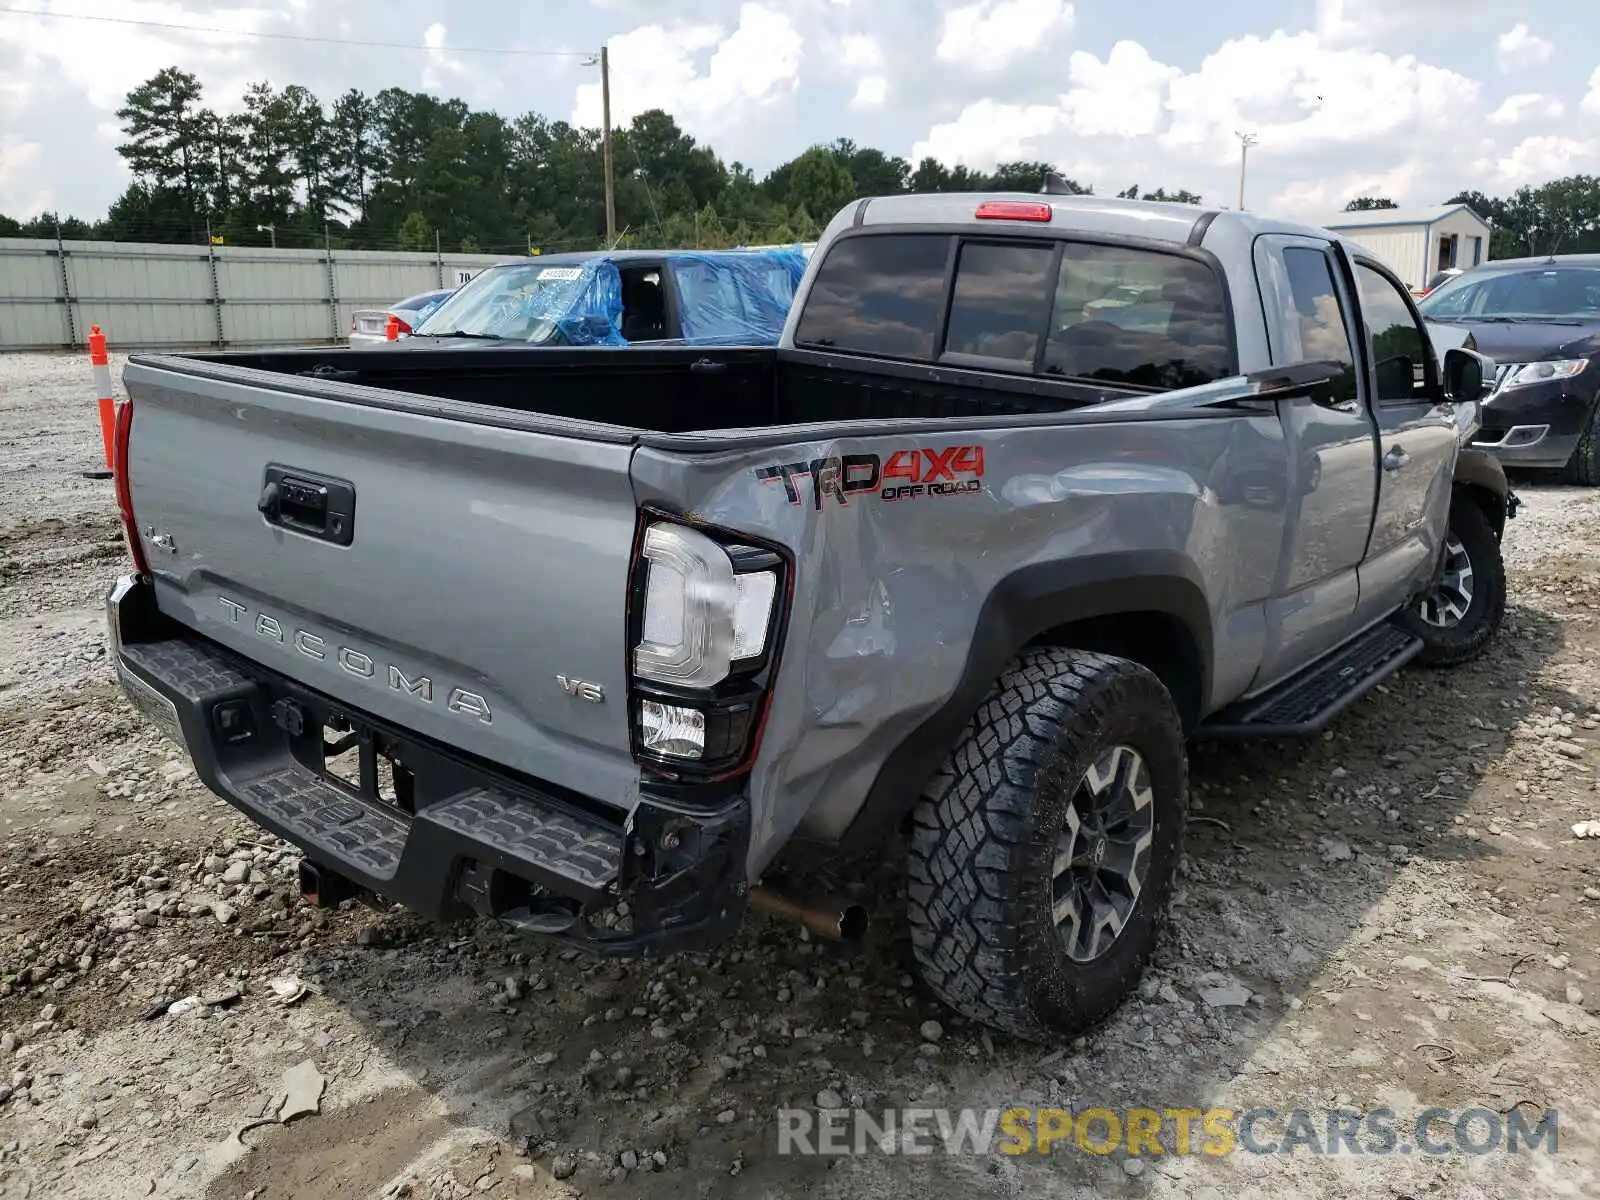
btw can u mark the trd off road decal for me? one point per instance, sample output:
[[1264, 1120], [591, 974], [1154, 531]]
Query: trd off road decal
[[905, 475]]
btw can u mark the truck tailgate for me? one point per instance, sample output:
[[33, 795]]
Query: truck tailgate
[[482, 563]]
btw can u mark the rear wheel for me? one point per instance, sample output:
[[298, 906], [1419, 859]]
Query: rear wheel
[[1584, 465], [1042, 858], [1456, 619]]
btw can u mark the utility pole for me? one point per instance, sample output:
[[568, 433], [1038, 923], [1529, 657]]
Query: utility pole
[[1246, 140], [272, 231], [605, 141]]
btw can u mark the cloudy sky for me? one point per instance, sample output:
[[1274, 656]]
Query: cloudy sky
[[1413, 99]]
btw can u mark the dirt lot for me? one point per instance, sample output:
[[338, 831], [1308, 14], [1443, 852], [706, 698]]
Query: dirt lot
[[1396, 915]]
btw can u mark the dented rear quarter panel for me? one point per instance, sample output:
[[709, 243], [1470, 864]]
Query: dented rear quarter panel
[[888, 593]]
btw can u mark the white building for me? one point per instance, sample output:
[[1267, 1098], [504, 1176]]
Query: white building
[[1417, 243]]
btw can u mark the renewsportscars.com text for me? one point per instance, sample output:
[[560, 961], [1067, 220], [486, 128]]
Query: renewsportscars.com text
[[1137, 1132]]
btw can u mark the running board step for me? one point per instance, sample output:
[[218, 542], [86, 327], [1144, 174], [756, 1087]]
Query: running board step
[[1307, 702]]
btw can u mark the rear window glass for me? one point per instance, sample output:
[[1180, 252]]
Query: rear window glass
[[878, 295], [1110, 314], [1001, 305], [1137, 317], [422, 300]]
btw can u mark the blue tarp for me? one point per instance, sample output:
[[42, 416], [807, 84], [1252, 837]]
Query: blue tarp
[[738, 297], [583, 302], [729, 297]]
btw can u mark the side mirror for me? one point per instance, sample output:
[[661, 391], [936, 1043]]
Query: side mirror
[[1466, 374]]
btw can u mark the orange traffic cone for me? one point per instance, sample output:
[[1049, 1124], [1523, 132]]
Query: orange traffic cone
[[103, 399], [391, 328]]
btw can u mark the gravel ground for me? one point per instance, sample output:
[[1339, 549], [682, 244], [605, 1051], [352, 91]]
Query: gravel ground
[[1397, 914]]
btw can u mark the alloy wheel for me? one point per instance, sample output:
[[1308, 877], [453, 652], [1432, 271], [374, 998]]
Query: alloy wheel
[[1102, 853]]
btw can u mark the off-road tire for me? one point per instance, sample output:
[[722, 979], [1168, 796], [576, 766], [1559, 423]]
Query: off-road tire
[[1583, 467], [1462, 642], [983, 843]]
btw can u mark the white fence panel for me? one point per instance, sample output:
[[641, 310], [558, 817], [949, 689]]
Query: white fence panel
[[147, 296], [32, 312], [270, 297], [151, 295]]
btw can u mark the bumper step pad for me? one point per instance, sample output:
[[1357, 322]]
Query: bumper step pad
[[585, 855], [179, 679], [1307, 702], [346, 828]]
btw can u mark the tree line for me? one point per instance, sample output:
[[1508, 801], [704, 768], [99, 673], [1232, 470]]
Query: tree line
[[408, 170], [404, 169], [1559, 217]]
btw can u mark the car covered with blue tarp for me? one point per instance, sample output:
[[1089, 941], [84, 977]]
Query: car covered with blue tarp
[[626, 297]]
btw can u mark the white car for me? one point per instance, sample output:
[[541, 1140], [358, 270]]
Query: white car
[[370, 326]]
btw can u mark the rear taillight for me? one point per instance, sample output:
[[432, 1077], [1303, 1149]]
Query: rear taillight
[[705, 622], [119, 470], [1013, 210]]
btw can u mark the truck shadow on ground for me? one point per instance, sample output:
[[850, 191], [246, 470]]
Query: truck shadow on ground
[[614, 1068]]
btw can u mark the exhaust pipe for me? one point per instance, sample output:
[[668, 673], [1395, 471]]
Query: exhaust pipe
[[831, 920]]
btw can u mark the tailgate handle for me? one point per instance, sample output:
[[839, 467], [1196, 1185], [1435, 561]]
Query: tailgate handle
[[706, 366], [315, 505]]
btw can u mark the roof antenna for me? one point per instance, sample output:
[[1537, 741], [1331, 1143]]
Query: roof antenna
[[1056, 185]]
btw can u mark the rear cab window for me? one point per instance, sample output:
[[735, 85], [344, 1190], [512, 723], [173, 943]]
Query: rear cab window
[[1109, 314], [879, 295]]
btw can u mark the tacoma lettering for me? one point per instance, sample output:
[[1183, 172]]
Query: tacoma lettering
[[357, 662]]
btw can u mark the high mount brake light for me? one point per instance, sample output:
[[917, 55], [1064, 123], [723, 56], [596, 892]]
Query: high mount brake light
[[1013, 210]]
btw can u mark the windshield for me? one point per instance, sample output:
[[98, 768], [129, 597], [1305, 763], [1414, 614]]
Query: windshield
[[569, 303], [1537, 294]]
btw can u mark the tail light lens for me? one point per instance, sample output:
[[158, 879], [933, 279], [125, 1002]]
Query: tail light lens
[[700, 616], [119, 471], [705, 625]]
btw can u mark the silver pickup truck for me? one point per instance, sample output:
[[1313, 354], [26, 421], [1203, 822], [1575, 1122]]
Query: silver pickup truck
[[581, 639]]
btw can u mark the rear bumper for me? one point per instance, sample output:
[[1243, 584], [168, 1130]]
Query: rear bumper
[[455, 838]]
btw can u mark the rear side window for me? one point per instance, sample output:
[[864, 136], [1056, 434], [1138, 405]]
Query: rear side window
[[1319, 321], [878, 295]]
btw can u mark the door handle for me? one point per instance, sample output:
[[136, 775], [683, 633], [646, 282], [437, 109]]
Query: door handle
[[1396, 458]]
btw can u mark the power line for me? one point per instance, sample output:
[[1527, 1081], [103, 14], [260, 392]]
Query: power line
[[294, 37]]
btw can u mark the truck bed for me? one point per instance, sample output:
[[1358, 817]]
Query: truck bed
[[671, 390]]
